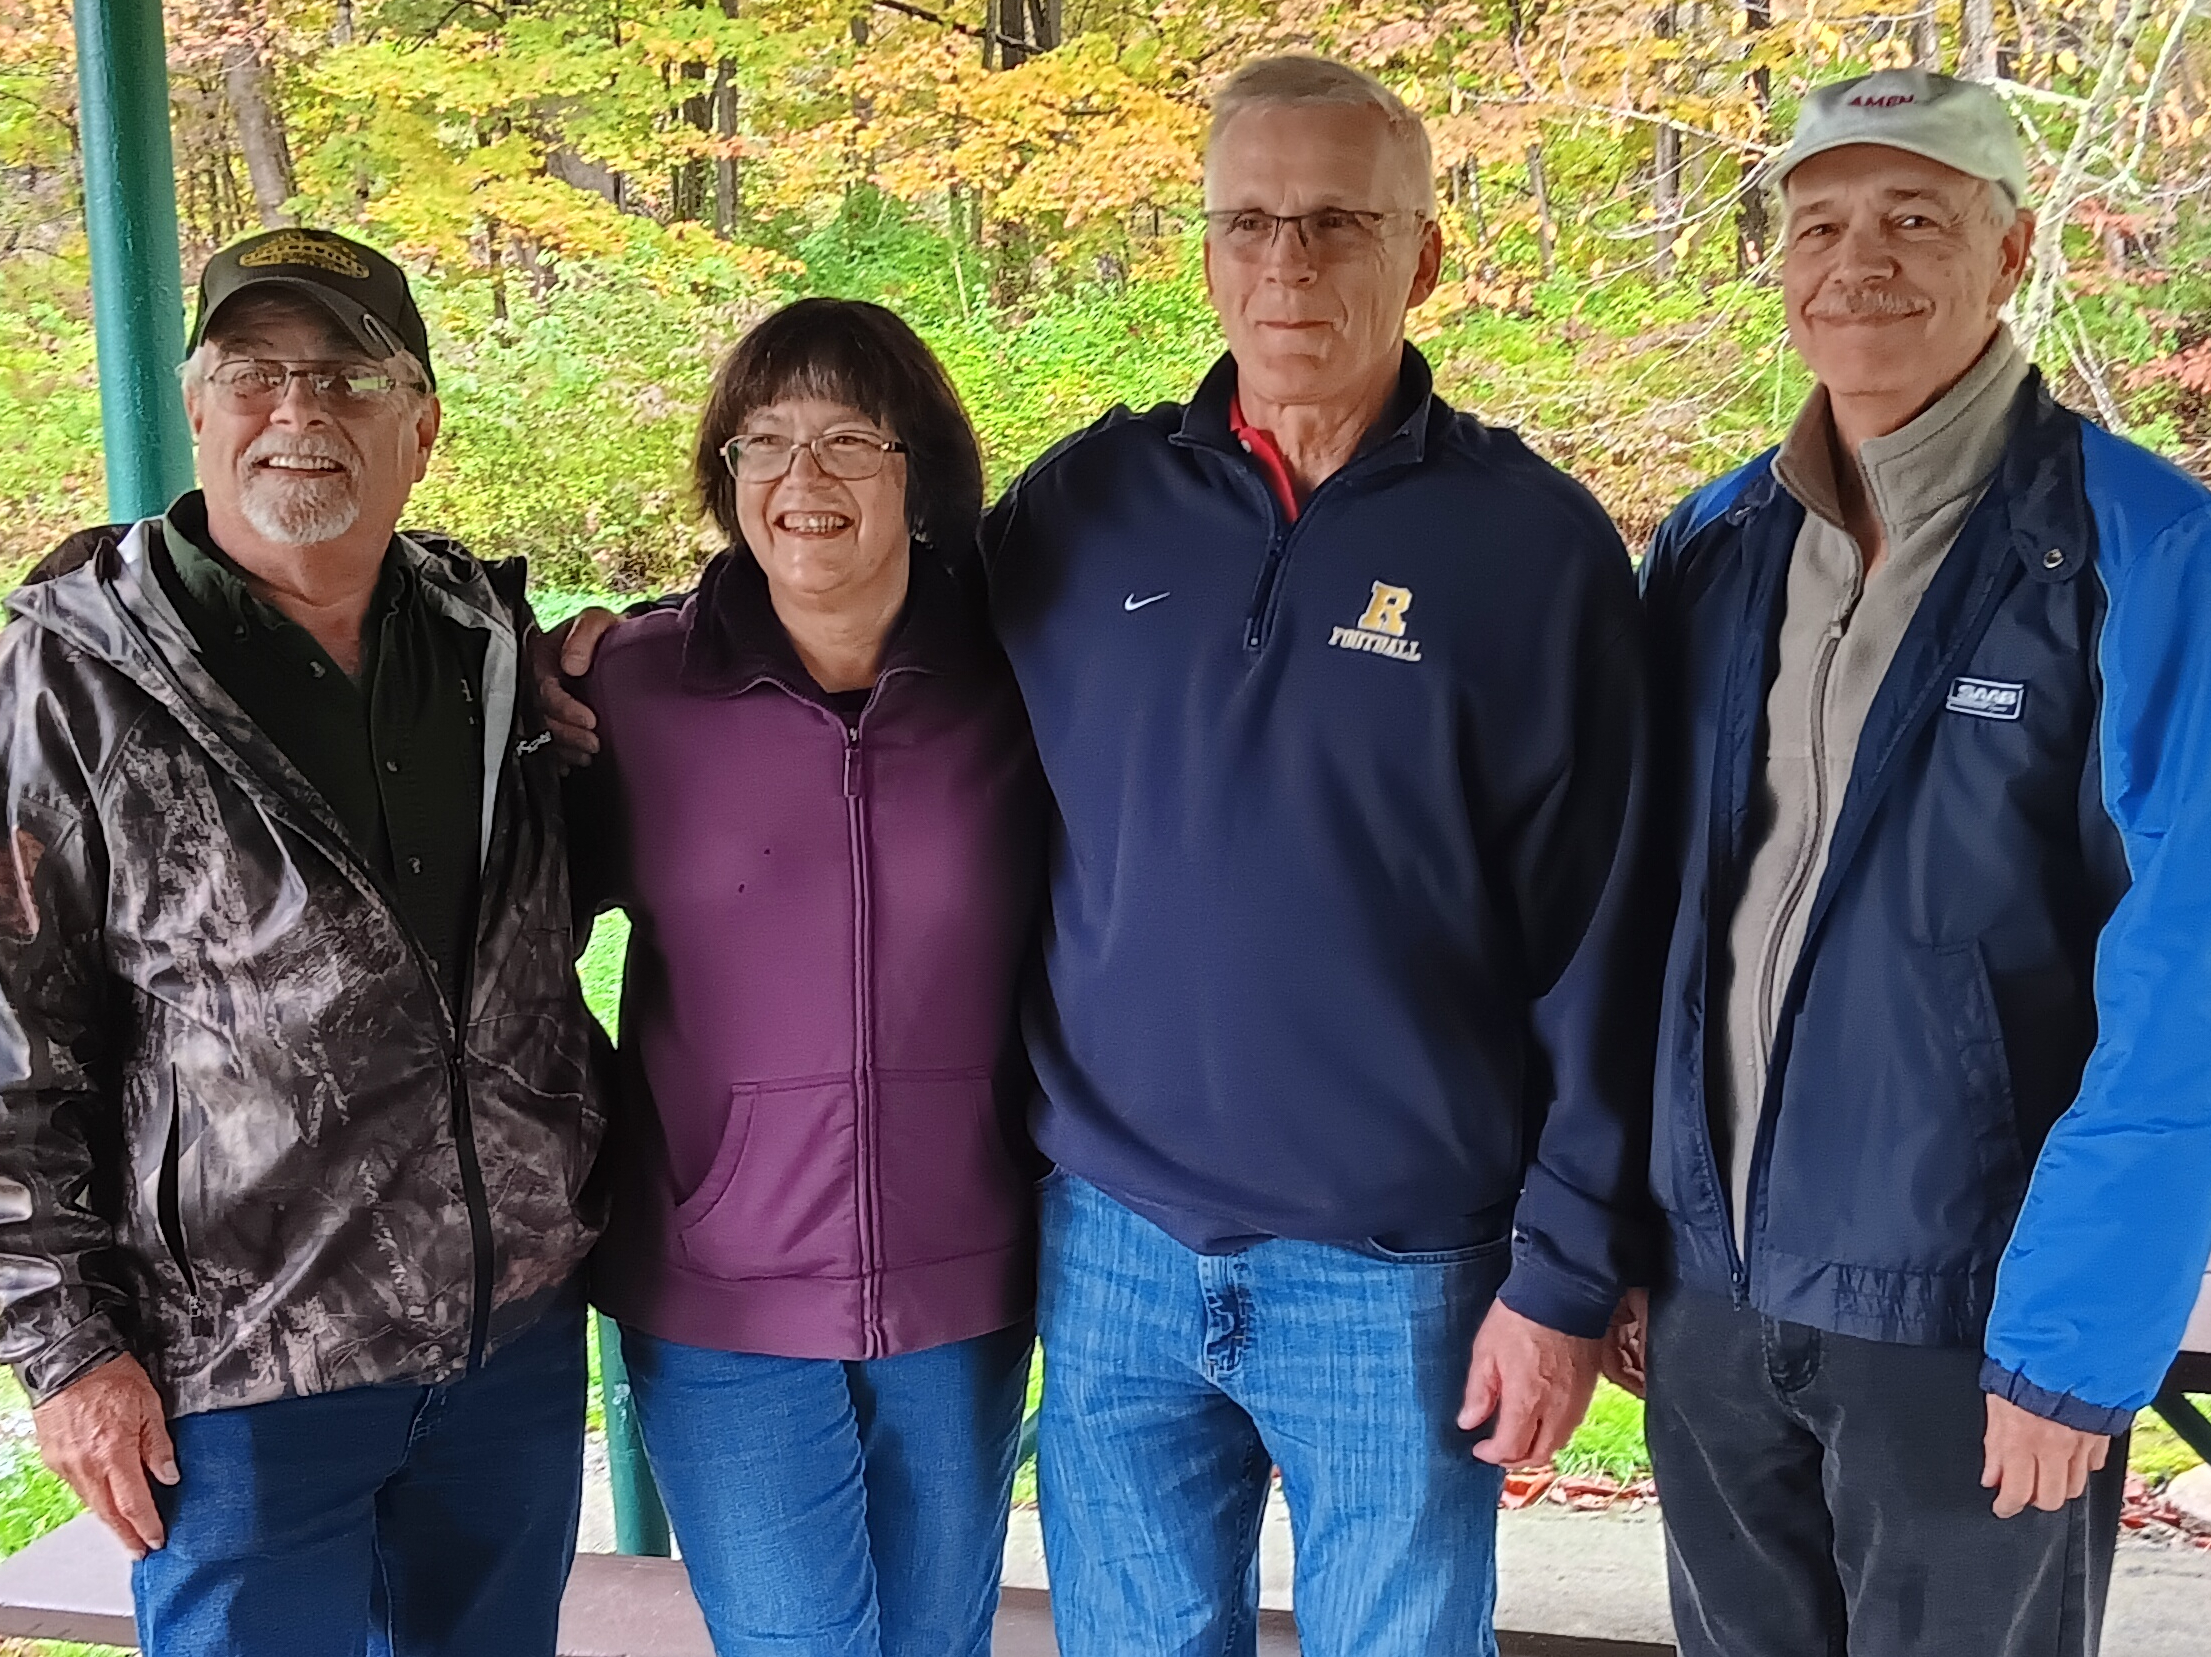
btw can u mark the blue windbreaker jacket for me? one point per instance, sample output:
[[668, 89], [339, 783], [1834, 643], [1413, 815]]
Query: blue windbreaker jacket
[[1340, 944], [1989, 1114]]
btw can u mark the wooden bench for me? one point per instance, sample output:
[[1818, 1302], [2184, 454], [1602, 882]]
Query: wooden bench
[[75, 1585]]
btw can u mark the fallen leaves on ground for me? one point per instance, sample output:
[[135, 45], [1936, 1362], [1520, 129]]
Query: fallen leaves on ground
[[1584, 1492]]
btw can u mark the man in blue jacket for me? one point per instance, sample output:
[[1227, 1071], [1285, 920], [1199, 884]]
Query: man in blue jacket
[[1341, 1050], [1933, 1134]]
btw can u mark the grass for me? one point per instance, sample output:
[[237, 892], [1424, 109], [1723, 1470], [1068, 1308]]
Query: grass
[[1610, 1438], [2156, 1452], [32, 1500]]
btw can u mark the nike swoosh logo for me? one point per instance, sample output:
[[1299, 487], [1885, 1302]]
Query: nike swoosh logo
[[1132, 602]]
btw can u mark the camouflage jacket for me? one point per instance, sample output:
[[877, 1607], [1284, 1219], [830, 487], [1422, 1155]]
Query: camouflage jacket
[[243, 1134]]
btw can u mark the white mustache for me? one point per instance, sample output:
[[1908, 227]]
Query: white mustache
[[1856, 302], [300, 509]]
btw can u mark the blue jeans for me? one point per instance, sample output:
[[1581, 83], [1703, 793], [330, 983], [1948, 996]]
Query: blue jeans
[[1175, 1381], [833, 1509], [399, 1520]]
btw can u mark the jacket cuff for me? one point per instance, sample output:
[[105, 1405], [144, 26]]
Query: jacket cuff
[[64, 1361], [2061, 1407], [1554, 1300]]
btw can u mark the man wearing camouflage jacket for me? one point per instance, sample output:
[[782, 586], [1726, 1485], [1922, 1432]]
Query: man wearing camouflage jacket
[[296, 1108]]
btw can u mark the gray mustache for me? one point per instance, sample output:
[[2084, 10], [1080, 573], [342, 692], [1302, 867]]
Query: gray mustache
[[1865, 302]]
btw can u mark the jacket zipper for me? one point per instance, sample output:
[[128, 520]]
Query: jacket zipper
[[462, 1120], [1792, 897], [863, 1049], [1259, 623]]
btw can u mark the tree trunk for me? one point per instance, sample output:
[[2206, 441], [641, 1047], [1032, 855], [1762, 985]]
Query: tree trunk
[[1666, 198], [1926, 37], [725, 165], [260, 131], [1665, 174], [1977, 41], [1752, 224], [728, 205], [1019, 29], [1539, 187]]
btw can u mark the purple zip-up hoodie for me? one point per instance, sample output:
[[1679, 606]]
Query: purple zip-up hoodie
[[818, 1152]]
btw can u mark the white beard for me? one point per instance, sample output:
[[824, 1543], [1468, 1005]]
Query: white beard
[[303, 509]]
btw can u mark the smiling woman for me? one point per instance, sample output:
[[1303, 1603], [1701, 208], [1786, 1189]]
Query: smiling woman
[[817, 800]]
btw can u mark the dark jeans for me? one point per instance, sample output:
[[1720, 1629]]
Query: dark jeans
[[1823, 1497], [400, 1520]]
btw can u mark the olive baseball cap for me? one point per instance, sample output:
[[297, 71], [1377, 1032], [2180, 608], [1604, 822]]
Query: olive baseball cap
[[364, 293], [1961, 124]]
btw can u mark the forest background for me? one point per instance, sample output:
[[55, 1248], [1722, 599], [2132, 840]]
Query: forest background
[[597, 196]]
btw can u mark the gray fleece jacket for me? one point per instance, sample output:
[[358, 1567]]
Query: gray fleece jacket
[[1839, 632]]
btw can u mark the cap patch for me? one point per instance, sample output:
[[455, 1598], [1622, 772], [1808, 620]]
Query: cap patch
[[300, 247]]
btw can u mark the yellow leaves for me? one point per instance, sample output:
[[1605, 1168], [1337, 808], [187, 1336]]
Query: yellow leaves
[[2068, 61]]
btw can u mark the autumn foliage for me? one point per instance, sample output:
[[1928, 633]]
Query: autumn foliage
[[597, 195]]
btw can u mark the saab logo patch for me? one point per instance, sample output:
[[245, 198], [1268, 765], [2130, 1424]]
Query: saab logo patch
[[1987, 698], [304, 247], [1381, 631]]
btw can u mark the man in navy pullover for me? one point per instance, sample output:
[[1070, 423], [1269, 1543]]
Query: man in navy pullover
[[1343, 1030], [1340, 695]]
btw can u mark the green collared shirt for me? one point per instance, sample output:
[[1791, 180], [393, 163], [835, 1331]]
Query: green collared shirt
[[396, 754]]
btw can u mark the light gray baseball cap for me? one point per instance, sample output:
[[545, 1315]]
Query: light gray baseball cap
[[1961, 124]]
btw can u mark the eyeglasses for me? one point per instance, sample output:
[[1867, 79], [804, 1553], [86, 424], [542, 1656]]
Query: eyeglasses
[[1326, 232], [253, 385], [852, 456]]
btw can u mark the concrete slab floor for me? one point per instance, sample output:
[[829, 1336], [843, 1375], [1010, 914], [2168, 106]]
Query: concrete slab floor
[[1603, 1575]]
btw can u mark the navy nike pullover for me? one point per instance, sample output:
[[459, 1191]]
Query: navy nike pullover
[[1343, 939]]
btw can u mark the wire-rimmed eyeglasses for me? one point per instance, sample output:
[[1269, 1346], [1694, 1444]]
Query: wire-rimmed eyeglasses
[[1325, 232], [761, 457]]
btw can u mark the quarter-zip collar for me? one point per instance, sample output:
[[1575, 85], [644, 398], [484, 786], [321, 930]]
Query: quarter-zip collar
[[733, 639], [1403, 429]]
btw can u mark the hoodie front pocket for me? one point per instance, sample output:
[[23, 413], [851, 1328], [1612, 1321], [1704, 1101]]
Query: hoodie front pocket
[[948, 1183], [779, 1199]]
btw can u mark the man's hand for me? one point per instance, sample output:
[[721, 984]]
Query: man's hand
[[2030, 1461], [568, 649], [103, 1433], [1535, 1381], [1625, 1342]]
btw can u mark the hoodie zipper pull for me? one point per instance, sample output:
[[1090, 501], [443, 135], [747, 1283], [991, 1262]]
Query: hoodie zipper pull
[[852, 765]]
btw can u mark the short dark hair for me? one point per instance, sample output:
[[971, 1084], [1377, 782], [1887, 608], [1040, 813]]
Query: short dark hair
[[862, 355]]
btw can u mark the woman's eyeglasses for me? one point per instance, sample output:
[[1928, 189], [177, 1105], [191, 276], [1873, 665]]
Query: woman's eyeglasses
[[852, 456]]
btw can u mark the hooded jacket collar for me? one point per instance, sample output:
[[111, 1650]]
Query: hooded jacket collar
[[112, 608], [733, 640]]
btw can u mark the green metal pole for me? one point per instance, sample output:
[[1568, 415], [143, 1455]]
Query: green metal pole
[[640, 1521], [130, 212]]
